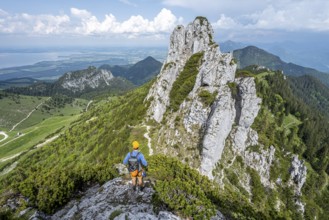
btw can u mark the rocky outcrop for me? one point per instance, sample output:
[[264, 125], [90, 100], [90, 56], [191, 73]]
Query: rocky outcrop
[[81, 80], [298, 172], [184, 42], [261, 162], [115, 199], [218, 127], [215, 117], [206, 126]]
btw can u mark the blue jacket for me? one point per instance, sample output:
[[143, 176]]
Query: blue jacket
[[140, 158]]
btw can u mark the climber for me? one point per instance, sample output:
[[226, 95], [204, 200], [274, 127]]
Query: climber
[[136, 161]]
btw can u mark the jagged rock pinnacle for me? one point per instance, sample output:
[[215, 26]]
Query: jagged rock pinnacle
[[184, 42]]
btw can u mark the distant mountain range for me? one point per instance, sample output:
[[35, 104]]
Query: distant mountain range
[[91, 81], [313, 55], [53, 69], [138, 73], [252, 55]]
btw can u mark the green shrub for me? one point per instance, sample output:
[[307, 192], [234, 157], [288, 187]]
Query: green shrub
[[207, 97], [243, 73], [177, 181], [185, 81], [115, 213], [185, 197], [234, 88]]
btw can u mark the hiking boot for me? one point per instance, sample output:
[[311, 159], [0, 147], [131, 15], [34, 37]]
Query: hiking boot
[[134, 188], [142, 188]]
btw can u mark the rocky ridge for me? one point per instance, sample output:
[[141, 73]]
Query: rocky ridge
[[115, 199], [91, 78], [215, 76], [199, 133]]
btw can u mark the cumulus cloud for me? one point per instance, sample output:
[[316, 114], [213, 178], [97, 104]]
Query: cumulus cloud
[[289, 15], [225, 22], [83, 22], [33, 24]]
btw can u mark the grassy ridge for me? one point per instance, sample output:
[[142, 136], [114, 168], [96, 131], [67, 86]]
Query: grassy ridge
[[84, 153]]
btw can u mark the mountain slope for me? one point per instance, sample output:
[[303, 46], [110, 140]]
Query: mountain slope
[[312, 92], [138, 73], [241, 144], [252, 55]]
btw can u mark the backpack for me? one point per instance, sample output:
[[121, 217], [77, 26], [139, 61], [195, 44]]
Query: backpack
[[133, 164]]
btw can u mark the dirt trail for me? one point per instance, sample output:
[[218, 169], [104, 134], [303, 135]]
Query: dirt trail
[[47, 141], [146, 135], [11, 157], [8, 169], [88, 104], [4, 134], [28, 115]]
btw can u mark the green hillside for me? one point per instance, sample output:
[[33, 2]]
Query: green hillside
[[85, 153], [29, 121], [312, 92], [252, 55], [14, 108]]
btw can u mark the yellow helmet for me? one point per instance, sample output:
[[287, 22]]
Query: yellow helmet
[[135, 145]]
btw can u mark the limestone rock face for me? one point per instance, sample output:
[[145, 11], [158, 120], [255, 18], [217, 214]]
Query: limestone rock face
[[298, 173], [115, 196], [115, 199], [218, 127], [206, 125], [261, 162], [184, 42], [93, 78], [212, 128]]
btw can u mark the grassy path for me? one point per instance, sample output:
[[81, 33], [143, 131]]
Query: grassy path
[[146, 135], [28, 115]]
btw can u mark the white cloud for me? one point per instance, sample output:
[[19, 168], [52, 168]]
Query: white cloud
[[80, 13], [83, 22], [225, 22], [289, 15], [127, 2], [32, 24]]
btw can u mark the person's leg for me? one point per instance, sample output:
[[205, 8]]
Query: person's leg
[[133, 180], [140, 181]]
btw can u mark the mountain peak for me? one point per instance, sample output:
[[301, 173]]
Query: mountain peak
[[149, 58], [197, 36]]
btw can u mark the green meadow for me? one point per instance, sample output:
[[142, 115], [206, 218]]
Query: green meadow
[[42, 124]]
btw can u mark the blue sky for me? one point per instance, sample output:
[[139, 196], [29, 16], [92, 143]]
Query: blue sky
[[149, 22]]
